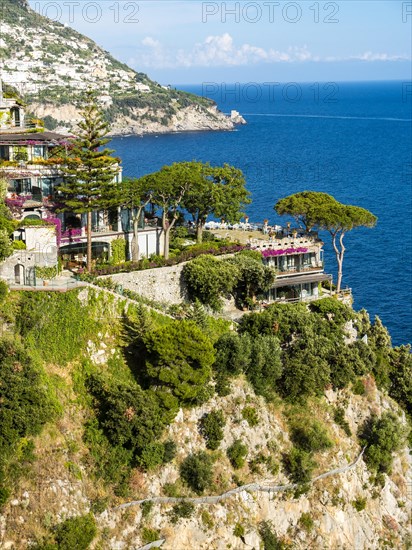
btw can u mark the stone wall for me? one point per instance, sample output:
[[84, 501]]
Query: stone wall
[[164, 284], [19, 267]]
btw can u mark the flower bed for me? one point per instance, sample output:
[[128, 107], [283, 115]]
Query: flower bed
[[185, 256]]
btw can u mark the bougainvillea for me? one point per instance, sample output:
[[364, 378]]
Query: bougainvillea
[[271, 252]]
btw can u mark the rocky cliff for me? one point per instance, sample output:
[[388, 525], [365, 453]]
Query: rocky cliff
[[349, 509], [50, 64]]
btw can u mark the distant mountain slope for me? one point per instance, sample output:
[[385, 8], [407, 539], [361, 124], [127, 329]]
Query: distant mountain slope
[[50, 63]]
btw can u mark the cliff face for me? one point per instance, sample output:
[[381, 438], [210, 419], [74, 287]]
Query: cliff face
[[50, 64], [346, 510]]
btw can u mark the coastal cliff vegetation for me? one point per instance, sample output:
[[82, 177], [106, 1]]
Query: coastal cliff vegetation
[[103, 387]]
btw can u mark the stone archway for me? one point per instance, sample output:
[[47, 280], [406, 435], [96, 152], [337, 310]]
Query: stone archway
[[19, 274]]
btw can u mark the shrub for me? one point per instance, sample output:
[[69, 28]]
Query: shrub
[[118, 251], [306, 521], [359, 503], [170, 448], [208, 279], [150, 535], [196, 471], [309, 435], [266, 367], [239, 530], [358, 387], [383, 436], [77, 532], [400, 387], [19, 245], [27, 403], [339, 418], [332, 309], [299, 465], [269, 537], [237, 453], [152, 456], [251, 416], [233, 354], [4, 289], [146, 508], [211, 427], [183, 509], [179, 360], [155, 454], [130, 417]]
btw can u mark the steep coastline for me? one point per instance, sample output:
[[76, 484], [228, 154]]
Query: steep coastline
[[51, 64]]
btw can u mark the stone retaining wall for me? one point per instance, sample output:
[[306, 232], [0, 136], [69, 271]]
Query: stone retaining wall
[[163, 284]]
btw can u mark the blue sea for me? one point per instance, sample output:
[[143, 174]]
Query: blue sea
[[352, 140]]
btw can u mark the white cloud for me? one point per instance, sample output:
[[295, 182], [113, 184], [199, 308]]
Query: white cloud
[[370, 56], [221, 51]]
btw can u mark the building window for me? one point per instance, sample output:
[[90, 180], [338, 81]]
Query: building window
[[4, 152], [22, 186], [47, 186], [38, 151]]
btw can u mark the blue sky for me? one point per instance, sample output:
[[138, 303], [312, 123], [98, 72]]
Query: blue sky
[[188, 41]]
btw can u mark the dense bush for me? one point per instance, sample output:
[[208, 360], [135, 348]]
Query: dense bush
[[233, 354], [339, 418], [130, 417], [178, 361], [26, 404], [310, 435], [382, 436], [400, 387], [237, 454], [304, 373], [77, 532], [196, 470], [208, 279], [118, 251], [211, 427], [156, 454], [265, 368], [299, 465], [4, 289]]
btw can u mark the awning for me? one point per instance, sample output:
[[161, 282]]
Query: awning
[[301, 279]]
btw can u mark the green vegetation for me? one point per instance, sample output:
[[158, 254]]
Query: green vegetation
[[269, 537], [237, 454], [306, 521], [183, 510], [299, 464], [251, 416], [196, 470], [359, 504], [119, 251], [211, 427], [90, 169], [383, 436], [77, 532], [178, 362], [27, 403], [322, 211], [244, 276]]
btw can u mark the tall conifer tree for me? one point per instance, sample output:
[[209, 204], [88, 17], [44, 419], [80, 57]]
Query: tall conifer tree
[[89, 169]]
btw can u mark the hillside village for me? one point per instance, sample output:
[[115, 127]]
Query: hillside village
[[50, 64]]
